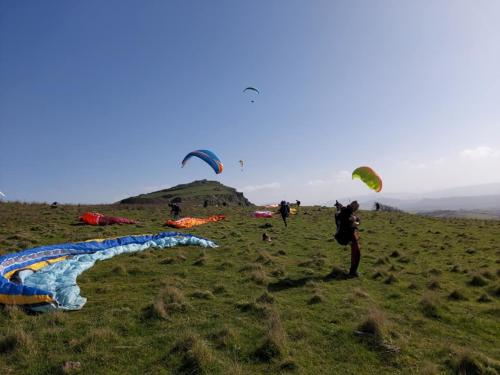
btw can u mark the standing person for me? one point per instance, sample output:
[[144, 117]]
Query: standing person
[[298, 203], [347, 232], [175, 210], [284, 211]]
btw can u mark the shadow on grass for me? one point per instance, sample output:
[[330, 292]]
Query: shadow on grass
[[288, 283]]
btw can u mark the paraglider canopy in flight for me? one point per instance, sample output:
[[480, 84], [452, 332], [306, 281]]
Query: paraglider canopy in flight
[[253, 91], [208, 157], [369, 177]]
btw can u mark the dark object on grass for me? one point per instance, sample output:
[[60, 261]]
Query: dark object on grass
[[266, 237], [54, 205]]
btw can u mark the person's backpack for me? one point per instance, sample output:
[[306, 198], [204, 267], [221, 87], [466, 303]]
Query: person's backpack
[[284, 209], [343, 235]]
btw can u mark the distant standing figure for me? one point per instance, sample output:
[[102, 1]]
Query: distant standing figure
[[205, 203], [54, 205], [347, 232], [175, 210], [298, 203], [377, 206], [284, 211]]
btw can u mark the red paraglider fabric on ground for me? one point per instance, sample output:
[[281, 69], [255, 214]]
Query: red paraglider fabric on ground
[[94, 218]]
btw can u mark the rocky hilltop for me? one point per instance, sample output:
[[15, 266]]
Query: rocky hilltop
[[196, 192]]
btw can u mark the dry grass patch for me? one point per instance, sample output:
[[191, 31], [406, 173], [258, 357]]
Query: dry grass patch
[[429, 307], [266, 298], [259, 277], [466, 362], [264, 257], [358, 292], [93, 339], [223, 337], [169, 300], [16, 339], [193, 356], [273, 345], [374, 332], [429, 369], [13, 312]]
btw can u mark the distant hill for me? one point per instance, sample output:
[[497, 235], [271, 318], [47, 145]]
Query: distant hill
[[464, 214], [483, 198], [196, 192]]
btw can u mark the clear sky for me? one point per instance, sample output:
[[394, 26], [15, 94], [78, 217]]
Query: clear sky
[[100, 100]]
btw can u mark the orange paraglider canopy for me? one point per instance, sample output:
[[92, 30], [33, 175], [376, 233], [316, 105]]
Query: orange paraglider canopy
[[188, 222]]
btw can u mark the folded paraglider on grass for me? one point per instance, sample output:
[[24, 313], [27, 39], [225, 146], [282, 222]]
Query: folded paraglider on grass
[[263, 214], [94, 218], [188, 222], [44, 278]]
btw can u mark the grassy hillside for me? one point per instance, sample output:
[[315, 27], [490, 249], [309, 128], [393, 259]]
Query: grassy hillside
[[427, 301], [196, 192]]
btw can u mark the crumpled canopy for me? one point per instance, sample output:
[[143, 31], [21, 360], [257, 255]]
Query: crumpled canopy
[[188, 222], [44, 278], [95, 218], [263, 214]]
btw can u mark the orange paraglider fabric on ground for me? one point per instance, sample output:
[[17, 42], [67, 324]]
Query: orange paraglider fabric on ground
[[188, 222]]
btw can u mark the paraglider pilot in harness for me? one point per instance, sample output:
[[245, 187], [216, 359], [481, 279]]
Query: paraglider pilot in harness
[[284, 211], [175, 210], [347, 232]]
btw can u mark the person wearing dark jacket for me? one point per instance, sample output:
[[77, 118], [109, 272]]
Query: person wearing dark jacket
[[347, 232], [284, 211], [175, 210]]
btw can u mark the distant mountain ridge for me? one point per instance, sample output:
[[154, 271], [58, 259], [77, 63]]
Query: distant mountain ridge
[[196, 192], [485, 198]]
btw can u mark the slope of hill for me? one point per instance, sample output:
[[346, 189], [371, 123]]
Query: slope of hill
[[427, 301], [196, 192]]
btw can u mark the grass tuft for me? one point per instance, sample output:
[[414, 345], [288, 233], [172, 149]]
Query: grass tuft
[[202, 294], [429, 307], [169, 300], [16, 340], [391, 279], [457, 295], [195, 355], [478, 280], [434, 284], [223, 337]]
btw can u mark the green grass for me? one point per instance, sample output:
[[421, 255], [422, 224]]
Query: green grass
[[427, 300]]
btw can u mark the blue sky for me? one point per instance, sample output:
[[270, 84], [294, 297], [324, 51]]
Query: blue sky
[[100, 100]]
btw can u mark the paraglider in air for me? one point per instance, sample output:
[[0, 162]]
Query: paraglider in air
[[208, 157], [369, 177], [241, 164], [251, 91]]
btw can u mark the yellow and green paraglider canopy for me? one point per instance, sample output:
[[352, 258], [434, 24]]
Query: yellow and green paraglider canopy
[[369, 177]]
